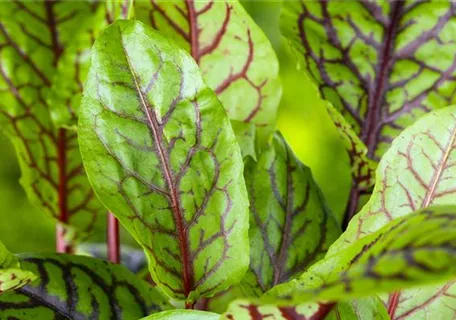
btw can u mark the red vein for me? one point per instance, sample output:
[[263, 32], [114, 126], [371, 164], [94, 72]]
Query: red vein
[[175, 203]]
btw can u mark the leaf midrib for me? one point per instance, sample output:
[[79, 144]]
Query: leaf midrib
[[175, 201]]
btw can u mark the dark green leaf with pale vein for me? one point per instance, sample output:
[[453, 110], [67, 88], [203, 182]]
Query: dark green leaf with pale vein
[[235, 57], [418, 170], [162, 156], [33, 37], [77, 287], [411, 251], [290, 225], [12, 276], [382, 64]]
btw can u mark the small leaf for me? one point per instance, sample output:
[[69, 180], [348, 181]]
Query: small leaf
[[11, 275], [162, 156], [183, 315], [414, 250], [290, 225], [119, 9], [235, 57], [360, 309], [381, 64], [33, 37], [76, 287]]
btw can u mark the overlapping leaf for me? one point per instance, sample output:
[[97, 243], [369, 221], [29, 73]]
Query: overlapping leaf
[[236, 58], [290, 225], [366, 308], [414, 250], [33, 38], [76, 287], [161, 154], [418, 170], [12, 276]]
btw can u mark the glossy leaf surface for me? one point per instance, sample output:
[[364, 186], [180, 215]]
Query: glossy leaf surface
[[12, 276], [382, 64], [290, 225], [76, 287], [414, 250], [235, 57], [33, 38], [162, 156]]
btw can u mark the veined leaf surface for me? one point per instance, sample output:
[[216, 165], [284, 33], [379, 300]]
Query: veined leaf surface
[[290, 225], [417, 171], [360, 309], [235, 57], [162, 156], [382, 64], [33, 37], [12, 276], [414, 250], [77, 287]]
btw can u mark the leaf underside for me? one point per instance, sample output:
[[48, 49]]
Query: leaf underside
[[234, 55], [290, 225], [162, 156], [76, 287]]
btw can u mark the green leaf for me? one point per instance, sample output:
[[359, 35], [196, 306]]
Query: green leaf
[[162, 156], [33, 37], [246, 137], [11, 275], [235, 57], [414, 250], [360, 309], [183, 315], [119, 9], [417, 171], [76, 287], [290, 225], [381, 64]]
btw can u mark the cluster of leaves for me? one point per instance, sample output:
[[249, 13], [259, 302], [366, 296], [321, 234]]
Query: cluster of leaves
[[175, 132]]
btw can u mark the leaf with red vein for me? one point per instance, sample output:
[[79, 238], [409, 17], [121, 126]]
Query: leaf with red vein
[[415, 250], [183, 315], [235, 57], [12, 276], [418, 170], [33, 37], [162, 156], [290, 225], [381, 64]]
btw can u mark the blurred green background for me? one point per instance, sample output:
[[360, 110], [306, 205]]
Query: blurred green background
[[302, 120]]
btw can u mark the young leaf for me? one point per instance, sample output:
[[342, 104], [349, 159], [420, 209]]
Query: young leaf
[[11, 275], [290, 225], [183, 315], [382, 64], [162, 156], [417, 171], [414, 250], [119, 9], [77, 287], [234, 55], [33, 37]]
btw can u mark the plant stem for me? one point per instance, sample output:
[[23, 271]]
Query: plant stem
[[113, 239], [61, 245], [189, 305]]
